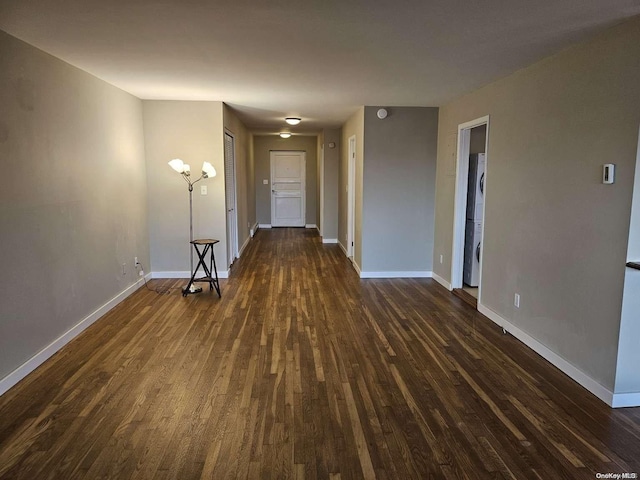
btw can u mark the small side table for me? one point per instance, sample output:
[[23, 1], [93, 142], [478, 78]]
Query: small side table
[[210, 272]]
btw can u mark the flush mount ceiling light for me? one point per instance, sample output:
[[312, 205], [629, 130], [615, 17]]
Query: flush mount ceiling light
[[293, 120], [285, 134]]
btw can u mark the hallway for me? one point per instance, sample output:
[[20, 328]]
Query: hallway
[[302, 370]]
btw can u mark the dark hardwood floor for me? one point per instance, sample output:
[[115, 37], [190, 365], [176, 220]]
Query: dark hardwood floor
[[302, 370]]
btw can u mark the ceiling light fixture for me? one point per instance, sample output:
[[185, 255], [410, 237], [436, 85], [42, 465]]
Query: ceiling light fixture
[[285, 134], [293, 120]]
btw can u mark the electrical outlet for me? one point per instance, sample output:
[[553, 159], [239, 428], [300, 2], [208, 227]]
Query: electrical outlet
[[441, 258], [516, 300], [124, 269], [135, 259]]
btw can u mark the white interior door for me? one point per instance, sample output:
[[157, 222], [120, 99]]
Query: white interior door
[[287, 189], [230, 193], [351, 198]]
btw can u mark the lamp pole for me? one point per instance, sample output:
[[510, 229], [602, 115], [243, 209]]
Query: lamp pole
[[185, 171]]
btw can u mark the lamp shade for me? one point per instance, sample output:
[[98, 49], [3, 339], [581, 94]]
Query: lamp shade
[[177, 165], [207, 170]]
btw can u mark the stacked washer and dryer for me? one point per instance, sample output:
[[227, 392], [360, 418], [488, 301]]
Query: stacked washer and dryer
[[473, 227]]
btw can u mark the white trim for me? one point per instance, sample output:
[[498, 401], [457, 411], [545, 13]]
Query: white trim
[[321, 186], [356, 267], [556, 360], [39, 358], [417, 274], [254, 230], [626, 400], [264, 225], [442, 281], [311, 225], [351, 196], [244, 245], [186, 274], [344, 250], [331, 240], [460, 199], [233, 229]]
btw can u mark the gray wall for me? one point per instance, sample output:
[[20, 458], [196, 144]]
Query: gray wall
[[399, 189], [193, 132], [331, 183], [72, 197], [478, 139], [262, 145], [553, 232]]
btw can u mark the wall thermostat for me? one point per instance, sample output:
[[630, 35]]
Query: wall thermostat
[[332, 145], [382, 113], [608, 173]]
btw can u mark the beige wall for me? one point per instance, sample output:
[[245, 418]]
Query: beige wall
[[72, 199], [553, 232], [191, 131], [262, 145], [353, 126], [244, 174]]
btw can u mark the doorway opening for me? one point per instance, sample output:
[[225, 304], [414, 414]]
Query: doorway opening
[[466, 265], [231, 197]]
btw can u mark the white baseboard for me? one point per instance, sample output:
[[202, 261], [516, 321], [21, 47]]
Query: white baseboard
[[244, 245], [342, 247], [39, 358], [254, 230], [356, 267], [570, 370], [442, 281], [311, 225], [416, 274], [264, 225], [186, 274], [330, 240], [621, 400]]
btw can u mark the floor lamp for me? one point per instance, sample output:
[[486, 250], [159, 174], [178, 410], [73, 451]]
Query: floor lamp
[[185, 171]]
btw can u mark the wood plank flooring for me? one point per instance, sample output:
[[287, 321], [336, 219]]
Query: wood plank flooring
[[302, 370]]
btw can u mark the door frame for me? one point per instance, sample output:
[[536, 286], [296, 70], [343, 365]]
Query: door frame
[[303, 186], [232, 230], [351, 198], [460, 208], [321, 185]]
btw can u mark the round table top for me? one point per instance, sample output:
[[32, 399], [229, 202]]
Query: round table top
[[205, 241]]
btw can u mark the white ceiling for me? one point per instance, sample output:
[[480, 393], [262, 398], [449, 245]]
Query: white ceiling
[[316, 59]]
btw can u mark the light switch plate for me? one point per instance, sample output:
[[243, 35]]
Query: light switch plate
[[203, 189], [265, 182]]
